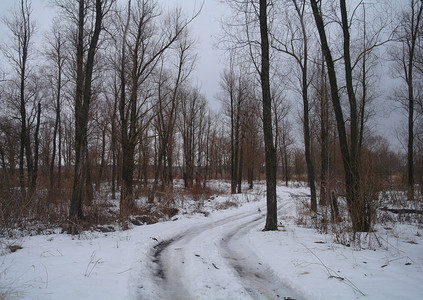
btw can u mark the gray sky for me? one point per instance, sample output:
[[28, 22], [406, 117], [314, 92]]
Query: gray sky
[[204, 28]]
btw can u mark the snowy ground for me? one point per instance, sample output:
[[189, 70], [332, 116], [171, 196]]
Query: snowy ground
[[225, 255]]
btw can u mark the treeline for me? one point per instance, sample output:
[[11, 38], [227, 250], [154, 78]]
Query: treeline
[[330, 58], [109, 98]]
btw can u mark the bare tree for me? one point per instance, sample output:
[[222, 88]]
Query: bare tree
[[285, 144], [18, 53], [271, 219], [86, 44], [322, 95], [358, 206], [283, 140], [234, 96], [166, 109], [193, 109], [253, 139], [409, 35], [142, 46], [300, 54], [56, 55]]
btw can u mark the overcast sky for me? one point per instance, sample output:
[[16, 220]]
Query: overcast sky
[[204, 28]]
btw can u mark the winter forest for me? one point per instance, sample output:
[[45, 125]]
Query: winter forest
[[299, 177]]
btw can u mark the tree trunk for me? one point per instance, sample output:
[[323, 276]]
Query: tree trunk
[[240, 164], [127, 113], [75, 212], [59, 158], [306, 125], [270, 152], [102, 159], [350, 155], [82, 106], [234, 146], [285, 161], [324, 136], [34, 175], [127, 203], [307, 142]]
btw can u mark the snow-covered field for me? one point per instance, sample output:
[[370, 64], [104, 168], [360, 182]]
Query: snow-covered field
[[224, 255]]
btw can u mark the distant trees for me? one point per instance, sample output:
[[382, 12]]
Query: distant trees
[[9, 152], [169, 96], [56, 57], [408, 36], [190, 123], [18, 53], [111, 103], [296, 45], [234, 96], [247, 33]]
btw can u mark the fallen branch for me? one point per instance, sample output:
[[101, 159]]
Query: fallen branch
[[402, 210]]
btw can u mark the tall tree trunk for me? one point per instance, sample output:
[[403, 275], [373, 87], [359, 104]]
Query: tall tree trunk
[[411, 48], [286, 166], [88, 185], [324, 137], [234, 146], [350, 155], [59, 158], [410, 145], [240, 165], [34, 175], [58, 60], [127, 113], [102, 159], [75, 212], [114, 137], [127, 203], [82, 106], [270, 152], [25, 145], [55, 130], [306, 122], [358, 203], [307, 140]]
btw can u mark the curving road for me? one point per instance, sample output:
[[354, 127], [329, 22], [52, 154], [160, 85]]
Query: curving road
[[214, 261]]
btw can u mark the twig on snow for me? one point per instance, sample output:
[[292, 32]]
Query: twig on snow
[[330, 272]]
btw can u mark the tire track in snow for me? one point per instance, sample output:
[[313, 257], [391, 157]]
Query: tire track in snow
[[174, 259], [258, 279], [223, 264]]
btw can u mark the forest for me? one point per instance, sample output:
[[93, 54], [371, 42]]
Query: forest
[[117, 167], [106, 106]]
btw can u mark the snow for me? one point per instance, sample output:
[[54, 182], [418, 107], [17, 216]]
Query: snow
[[225, 255]]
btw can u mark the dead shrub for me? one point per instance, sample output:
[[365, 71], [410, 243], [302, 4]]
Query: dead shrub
[[226, 205]]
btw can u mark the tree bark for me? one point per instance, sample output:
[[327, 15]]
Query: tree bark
[[270, 152], [324, 138], [34, 175]]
